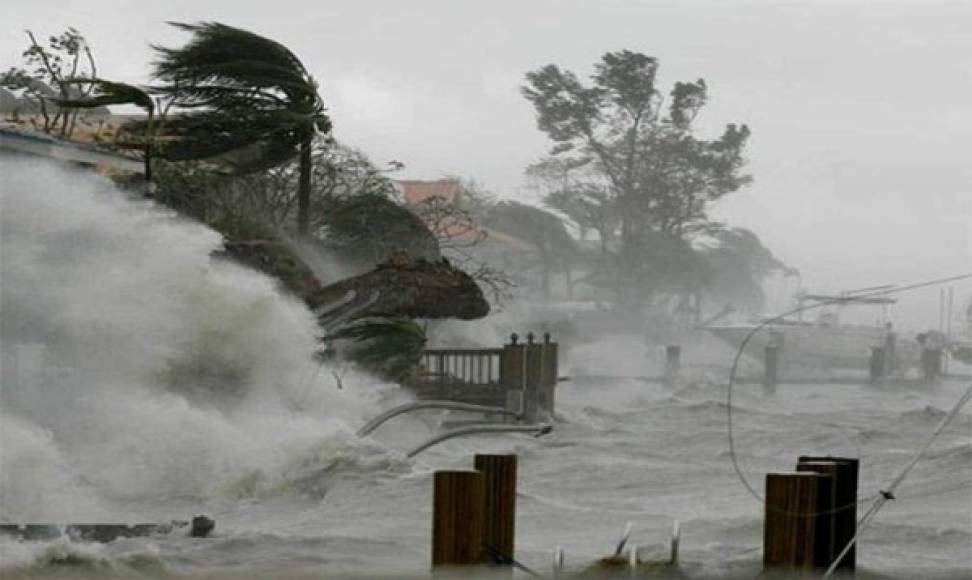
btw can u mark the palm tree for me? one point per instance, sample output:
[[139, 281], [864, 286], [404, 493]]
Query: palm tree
[[245, 101]]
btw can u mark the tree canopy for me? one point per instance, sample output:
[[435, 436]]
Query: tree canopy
[[243, 99], [620, 148]]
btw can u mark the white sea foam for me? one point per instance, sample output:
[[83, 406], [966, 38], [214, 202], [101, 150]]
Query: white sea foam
[[137, 365]]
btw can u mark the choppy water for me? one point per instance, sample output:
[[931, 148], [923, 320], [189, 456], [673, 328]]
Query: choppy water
[[114, 422]]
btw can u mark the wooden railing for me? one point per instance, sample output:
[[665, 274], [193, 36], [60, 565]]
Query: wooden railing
[[474, 367], [518, 376]]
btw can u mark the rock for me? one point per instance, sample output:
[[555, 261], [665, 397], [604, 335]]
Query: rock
[[201, 526]]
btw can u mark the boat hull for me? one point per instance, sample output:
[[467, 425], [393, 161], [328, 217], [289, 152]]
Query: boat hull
[[846, 347]]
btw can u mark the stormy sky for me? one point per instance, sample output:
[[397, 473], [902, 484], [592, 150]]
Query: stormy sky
[[861, 112]]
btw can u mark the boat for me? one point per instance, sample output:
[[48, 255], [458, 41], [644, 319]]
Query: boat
[[825, 342]]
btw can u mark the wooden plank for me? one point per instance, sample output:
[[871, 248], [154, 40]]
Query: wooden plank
[[534, 382], [550, 373], [793, 503], [512, 367], [499, 530], [846, 474], [824, 527], [457, 518]]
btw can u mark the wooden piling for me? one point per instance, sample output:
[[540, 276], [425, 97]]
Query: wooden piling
[[846, 472], [512, 374], [878, 364], [792, 521], [931, 365], [673, 361], [534, 376], [499, 517], [551, 369], [890, 354], [771, 367], [457, 518]]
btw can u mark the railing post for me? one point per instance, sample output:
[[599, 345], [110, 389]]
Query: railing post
[[845, 472], [457, 518], [533, 380], [551, 370], [512, 377], [794, 521], [499, 529], [673, 361]]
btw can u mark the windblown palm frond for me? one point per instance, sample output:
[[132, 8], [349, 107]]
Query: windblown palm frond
[[388, 347], [246, 101], [236, 89], [108, 93]]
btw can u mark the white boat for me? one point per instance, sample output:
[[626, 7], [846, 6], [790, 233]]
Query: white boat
[[825, 343]]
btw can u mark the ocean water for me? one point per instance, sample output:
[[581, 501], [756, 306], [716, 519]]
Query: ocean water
[[144, 382]]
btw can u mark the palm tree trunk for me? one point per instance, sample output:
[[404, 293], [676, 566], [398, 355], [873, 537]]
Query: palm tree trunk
[[147, 166], [304, 189]]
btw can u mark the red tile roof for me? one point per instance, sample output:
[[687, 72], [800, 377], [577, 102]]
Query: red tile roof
[[450, 190], [415, 191]]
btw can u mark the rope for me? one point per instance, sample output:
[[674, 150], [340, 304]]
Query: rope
[[888, 494], [881, 291]]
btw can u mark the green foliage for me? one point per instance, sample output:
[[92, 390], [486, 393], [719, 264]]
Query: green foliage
[[108, 93], [737, 265], [265, 101], [369, 228], [629, 167], [542, 229], [390, 348], [582, 197], [353, 211], [246, 102]]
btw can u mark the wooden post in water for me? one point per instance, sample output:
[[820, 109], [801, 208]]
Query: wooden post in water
[[931, 363], [673, 361], [512, 374], [457, 518], [549, 375], [499, 527], [533, 383], [845, 471], [878, 365], [792, 522], [771, 367], [890, 354]]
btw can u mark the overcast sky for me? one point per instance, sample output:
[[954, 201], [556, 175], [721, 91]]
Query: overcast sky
[[861, 112]]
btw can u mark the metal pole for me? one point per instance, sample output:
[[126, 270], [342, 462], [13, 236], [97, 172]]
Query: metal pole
[[421, 405], [537, 430]]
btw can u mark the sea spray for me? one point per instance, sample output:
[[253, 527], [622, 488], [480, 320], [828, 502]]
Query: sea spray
[[136, 365]]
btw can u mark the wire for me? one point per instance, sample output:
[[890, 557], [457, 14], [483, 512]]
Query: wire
[[933, 493], [881, 291], [888, 494]]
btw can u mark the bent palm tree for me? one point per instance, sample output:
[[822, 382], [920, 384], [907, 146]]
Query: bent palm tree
[[245, 99]]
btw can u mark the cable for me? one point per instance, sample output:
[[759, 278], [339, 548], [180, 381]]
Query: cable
[[933, 493], [881, 291], [888, 494]]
